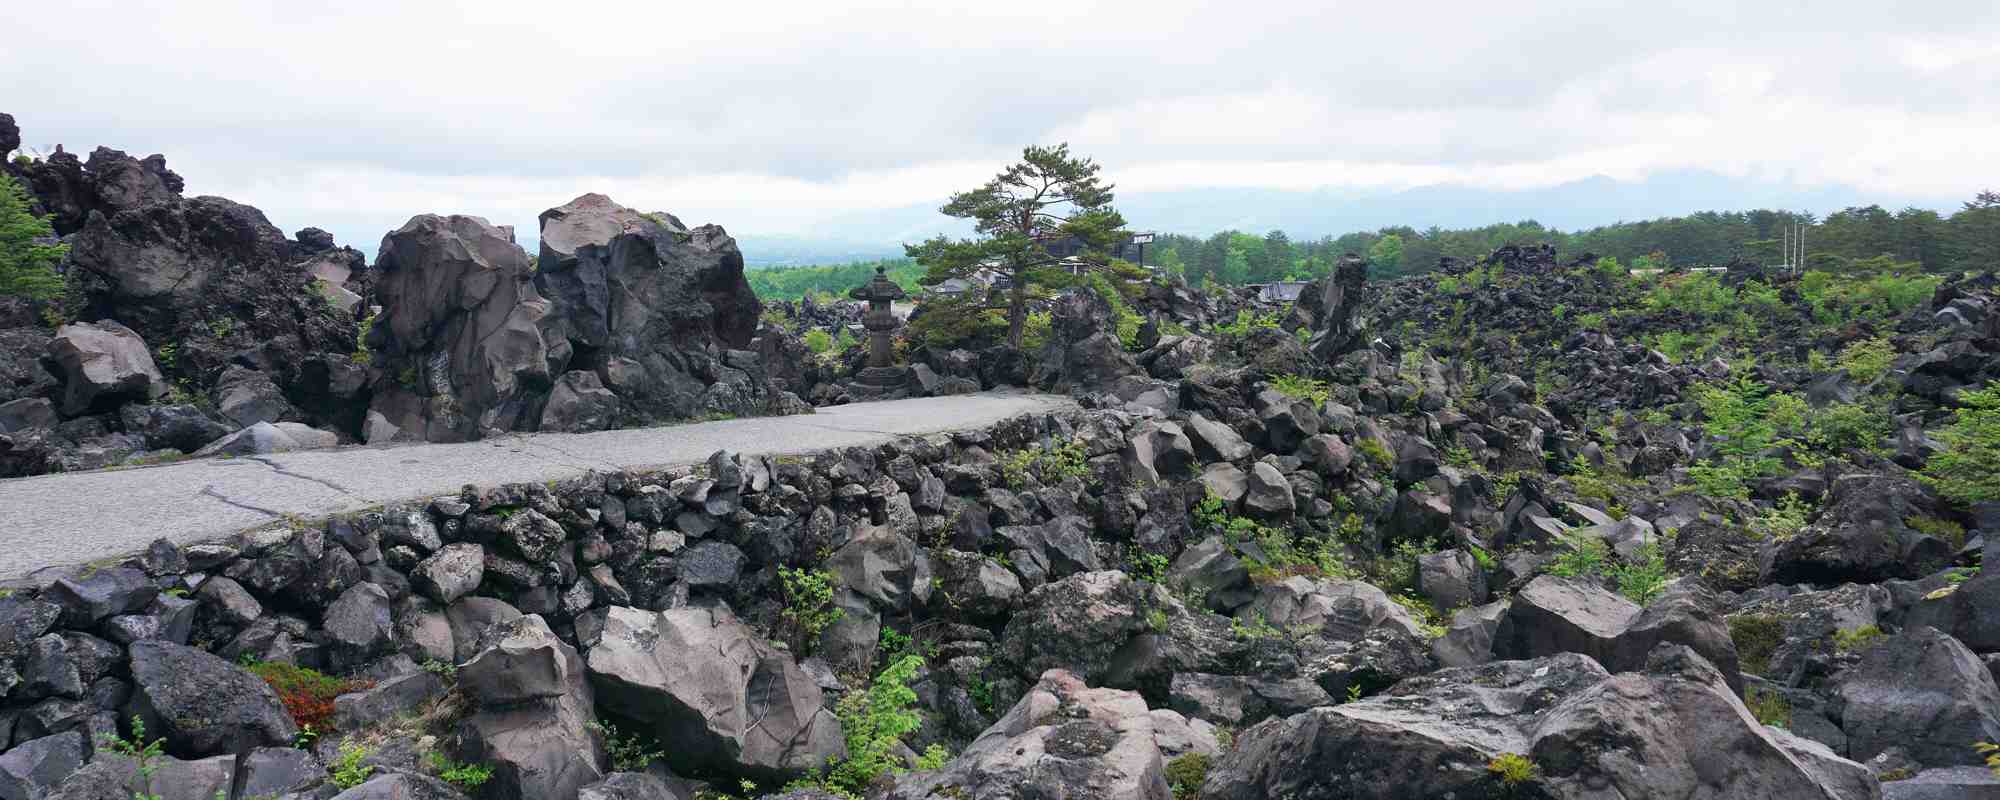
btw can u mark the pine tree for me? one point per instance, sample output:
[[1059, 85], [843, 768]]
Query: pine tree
[[1045, 198]]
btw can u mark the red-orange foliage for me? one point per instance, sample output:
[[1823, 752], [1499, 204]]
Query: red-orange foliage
[[307, 693]]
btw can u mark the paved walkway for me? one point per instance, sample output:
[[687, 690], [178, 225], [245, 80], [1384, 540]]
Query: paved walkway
[[65, 519]]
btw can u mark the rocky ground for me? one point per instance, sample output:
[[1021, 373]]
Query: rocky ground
[[1516, 529]]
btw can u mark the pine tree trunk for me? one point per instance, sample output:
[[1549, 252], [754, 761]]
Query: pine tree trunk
[[1017, 310]]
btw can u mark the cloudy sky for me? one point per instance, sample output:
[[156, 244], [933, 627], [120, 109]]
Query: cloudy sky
[[772, 118]]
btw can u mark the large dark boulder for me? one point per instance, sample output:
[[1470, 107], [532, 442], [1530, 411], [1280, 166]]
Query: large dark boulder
[[458, 344], [103, 365], [533, 709], [1330, 308], [202, 704], [742, 708], [1924, 692], [1082, 350], [1674, 730], [661, 313], [1568, 615], [1862, 535]]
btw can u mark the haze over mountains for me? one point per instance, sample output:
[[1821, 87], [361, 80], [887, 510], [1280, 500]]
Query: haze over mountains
[[872, 234]]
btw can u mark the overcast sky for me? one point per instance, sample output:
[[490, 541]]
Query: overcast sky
[[769, 118]]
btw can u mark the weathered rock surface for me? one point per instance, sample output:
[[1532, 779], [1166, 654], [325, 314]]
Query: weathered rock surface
[[1063, 739], [743, 708], [103, 365], [202, 704], [458, 340]]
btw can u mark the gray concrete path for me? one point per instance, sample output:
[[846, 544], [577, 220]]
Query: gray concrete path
[[66, 519]]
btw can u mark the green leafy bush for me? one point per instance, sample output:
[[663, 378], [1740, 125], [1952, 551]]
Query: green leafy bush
[[819, 341], [1513, 769], [1050, 465], [348, 769], [1694, 293], [1186, 774], [1968, 468], [875, 721], [1582, 556], [949, 324], [146, 755], [27, 265], [1867, 359], [1854, 640], [1126, 322], [1783, 520], [1246, 322], [1769, 707], [809, 606], [1756, 637], [629, 752], [467, 777], [1309, 390]]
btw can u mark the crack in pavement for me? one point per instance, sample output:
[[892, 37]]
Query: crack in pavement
[[893, 434], [280, 469], [588, 462], [209, 491]]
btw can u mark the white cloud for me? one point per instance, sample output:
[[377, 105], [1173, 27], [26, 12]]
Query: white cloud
[[772, 117]]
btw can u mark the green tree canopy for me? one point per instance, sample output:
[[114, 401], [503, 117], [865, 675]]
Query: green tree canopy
[[1047, 197], [27, 266], [1387, 255]]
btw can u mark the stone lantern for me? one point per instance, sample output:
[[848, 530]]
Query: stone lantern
[[882, 378]]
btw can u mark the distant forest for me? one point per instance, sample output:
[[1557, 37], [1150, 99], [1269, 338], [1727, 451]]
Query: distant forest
[[1857, 238]]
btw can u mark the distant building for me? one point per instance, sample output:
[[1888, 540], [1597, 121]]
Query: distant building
[[1281, 291], [951, 287]]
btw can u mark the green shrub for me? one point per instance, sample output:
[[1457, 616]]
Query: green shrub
[[1769, 707], [1050, 465], [1968, 468], [1513, 769], [809, 606], [948, 324], [819, 341], [1854, 640], [144, 754], [629, 752], [1308, 390], [1694, 293], [875, 720], [27, 267], [1643, 578], [1842, 426], [1757, 637], [1582, 556], [1126, 322], [1943, 530], [348, 771], [1376, 453], [1186, 774], [1246, 322], [1783, 520], [1867, 359], [1035, 327], [467, 777]]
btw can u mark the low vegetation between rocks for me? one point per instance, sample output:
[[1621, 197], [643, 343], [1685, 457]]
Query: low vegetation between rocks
[[1515, 528]]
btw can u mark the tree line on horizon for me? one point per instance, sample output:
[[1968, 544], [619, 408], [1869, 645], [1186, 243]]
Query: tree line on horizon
[[1868, 238]]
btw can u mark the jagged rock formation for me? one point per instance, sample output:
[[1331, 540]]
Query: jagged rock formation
[[208, 288], [459, 337], [660, 313]]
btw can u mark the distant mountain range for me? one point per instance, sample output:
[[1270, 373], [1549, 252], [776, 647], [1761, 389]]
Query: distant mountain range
[[1587, 203]]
